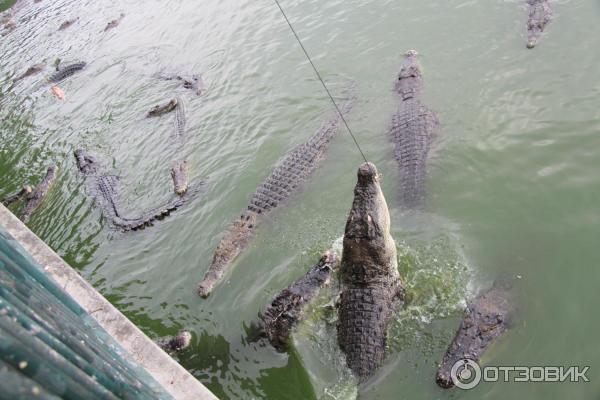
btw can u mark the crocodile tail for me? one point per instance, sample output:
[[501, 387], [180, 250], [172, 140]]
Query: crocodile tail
[[156, 214]]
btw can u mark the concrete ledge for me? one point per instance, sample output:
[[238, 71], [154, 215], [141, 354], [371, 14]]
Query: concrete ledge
[[168, 373]]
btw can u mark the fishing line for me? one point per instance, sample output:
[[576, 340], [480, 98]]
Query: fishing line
[[321, 79]]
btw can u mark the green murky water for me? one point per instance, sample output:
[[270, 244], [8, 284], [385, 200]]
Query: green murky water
[[514, 182]]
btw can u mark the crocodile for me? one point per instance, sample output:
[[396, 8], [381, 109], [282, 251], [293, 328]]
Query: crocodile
[[179, 120], [540, 15], [67, 71], [67, 24], [162, 108], [276, 188], [175, 343], [371, 288], [105, 187], [179, 174], [286, 309], [36, 197], [114, 23], [194, 81], [34, 69], [412, 130], [487, 318], [14, 197]]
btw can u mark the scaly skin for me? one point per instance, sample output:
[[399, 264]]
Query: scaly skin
[[278, 187], [487, 318], [369, 276], [35, 198], [179, 174], [67, 71], [179, 121], [540, 15], [287, 308], [162, 109], [412, 131]]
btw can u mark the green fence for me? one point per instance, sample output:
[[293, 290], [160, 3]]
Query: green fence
[[51, 348]]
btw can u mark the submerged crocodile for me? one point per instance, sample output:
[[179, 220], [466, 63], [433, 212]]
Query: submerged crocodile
[[370, 282], [67, 24], [114, 23], [105, 187], [175, 343], [540, 15], [67, 71], [194, 82], [287, 308], [412, 130], [487, 318], [278, 187]]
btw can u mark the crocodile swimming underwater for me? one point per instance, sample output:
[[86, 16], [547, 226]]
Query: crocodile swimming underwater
[[370, 283], [278, 187], [412, 131], [194, 82], [488, 316], [105, 188], [540, 15]]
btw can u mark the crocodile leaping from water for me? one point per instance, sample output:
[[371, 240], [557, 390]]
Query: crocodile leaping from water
[[278, 187], [540, 15], [487, 318], [371, 286], [412, 130], [105, 188]]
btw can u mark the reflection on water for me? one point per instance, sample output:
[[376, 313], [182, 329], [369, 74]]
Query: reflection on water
[[513, 187]]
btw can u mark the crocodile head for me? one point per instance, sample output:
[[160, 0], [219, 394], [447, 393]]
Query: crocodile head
[[85, 162], [194, 82], [410, 76], [540, 15], [369, 253]]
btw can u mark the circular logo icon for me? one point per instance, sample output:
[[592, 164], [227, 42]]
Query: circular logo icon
[[465, 374]]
